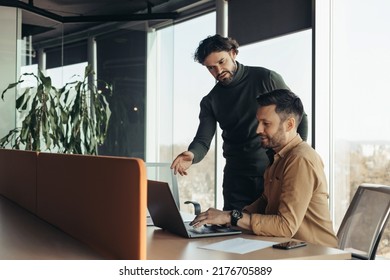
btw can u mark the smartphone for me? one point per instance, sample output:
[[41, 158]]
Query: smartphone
[[289, 245]]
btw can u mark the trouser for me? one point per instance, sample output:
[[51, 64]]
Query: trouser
[[241, 190]]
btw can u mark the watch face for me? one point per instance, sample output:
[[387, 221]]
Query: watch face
[[236, 214]]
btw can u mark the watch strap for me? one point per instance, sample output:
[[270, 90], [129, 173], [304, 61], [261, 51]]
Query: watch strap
[[235, 215]]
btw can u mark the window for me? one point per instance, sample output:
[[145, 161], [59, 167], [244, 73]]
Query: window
[[177, 91], [356, 55], [183, 91], [288, 55]]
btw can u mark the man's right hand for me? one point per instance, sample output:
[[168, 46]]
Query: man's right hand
[[182, 162]]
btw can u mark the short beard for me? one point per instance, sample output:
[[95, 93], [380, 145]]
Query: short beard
[[228, 80], [277, 139]]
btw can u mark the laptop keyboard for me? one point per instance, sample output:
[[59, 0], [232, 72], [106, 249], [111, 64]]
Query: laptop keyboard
[[209, 229]]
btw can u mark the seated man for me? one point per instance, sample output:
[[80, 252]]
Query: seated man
[[295, 199]]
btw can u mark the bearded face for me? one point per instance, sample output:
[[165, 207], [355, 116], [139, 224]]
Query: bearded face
[[222, 66]]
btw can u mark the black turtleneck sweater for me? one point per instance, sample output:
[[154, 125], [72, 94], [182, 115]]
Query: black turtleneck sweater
[[234, 107]]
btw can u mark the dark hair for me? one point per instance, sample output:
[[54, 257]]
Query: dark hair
[[287, 103], [215, 43]]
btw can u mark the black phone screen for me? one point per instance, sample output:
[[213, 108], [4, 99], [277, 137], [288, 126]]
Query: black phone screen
[[289, 245]]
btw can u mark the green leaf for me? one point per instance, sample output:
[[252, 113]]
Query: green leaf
[[46, 81], [88, 70], [7, 139], [24, 107], [10, 86], [64, 117]]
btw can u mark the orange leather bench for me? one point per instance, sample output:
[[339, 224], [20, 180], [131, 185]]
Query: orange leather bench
[[98, 200]]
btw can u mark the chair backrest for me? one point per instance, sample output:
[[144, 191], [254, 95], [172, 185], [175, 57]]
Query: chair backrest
[[365, 220], [161, 171]]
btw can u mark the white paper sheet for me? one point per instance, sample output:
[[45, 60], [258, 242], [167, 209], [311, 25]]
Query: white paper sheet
[[238, 245]]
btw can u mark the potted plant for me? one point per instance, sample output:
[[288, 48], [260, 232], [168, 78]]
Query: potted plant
[[71, 119]]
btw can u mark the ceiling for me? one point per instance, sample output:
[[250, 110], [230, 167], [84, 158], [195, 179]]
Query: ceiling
[[49, 19]]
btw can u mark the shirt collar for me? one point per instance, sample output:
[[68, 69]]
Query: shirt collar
[[290, 145]]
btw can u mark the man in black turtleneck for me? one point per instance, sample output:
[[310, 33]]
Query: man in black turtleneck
[[232, 103]]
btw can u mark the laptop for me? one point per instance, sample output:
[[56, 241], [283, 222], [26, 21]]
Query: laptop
[[166, 215]]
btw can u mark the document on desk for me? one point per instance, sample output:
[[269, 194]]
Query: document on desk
[[238, 245]]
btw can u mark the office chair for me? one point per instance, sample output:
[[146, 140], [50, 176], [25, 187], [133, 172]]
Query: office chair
[[365, 220]]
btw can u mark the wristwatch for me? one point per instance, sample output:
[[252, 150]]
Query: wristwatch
[[235, 215]]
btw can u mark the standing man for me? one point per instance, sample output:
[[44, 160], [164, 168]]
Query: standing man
[[295, 199], [232, 104]]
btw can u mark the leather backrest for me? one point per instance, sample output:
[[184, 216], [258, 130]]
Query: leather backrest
[[99, 200]]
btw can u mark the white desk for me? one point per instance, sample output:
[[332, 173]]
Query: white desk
[[162, 245]]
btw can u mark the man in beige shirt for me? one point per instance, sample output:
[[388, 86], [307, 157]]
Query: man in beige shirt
[[295, 199]]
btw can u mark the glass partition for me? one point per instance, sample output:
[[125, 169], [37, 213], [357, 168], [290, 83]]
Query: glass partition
[[181, 84], [117, 52]]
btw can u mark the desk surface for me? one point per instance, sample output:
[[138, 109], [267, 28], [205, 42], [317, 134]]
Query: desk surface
[[23, 236], [163, 245]]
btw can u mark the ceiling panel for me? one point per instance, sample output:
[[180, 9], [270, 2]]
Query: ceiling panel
[[50, 19]]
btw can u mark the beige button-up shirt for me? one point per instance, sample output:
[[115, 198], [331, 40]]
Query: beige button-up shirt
[[295, 199]]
